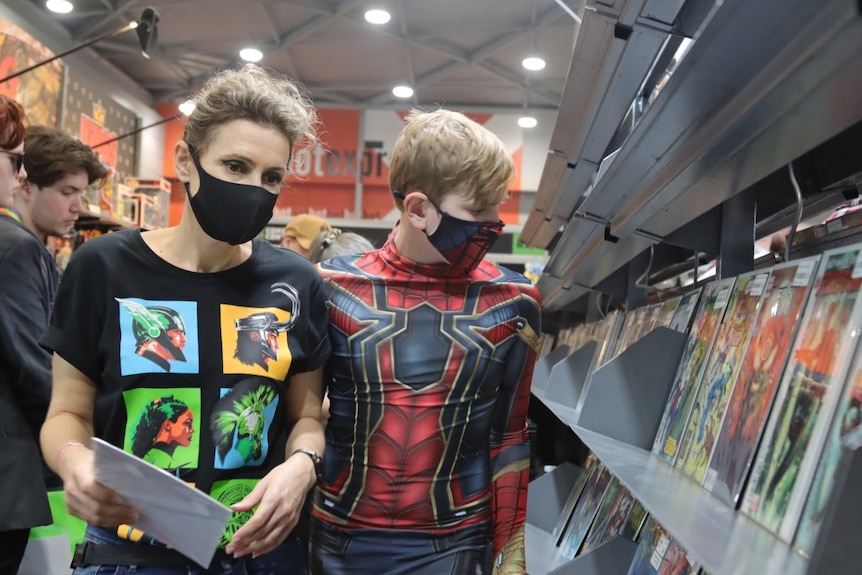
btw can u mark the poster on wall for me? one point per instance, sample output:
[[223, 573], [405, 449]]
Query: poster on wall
[[38, 90], [97, 119]]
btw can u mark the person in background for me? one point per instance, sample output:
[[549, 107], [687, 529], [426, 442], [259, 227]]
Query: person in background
[[210, 272], [301, 231], [25, 284], [337, 243], [433, 350]]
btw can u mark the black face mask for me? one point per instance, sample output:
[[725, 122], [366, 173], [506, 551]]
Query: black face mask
[[230, 212]]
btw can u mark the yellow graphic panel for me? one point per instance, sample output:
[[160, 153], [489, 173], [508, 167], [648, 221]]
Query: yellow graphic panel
[[254, 341]]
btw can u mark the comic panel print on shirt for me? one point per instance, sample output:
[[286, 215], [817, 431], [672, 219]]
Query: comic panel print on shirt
[[240, 424], [228, 493], [158, 336], [254, 340], [160, 427]]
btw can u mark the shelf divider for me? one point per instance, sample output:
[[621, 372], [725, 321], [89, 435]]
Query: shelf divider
[[610, 558], [626, 396]]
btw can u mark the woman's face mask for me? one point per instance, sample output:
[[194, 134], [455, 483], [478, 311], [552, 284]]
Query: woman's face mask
[[464, 243], [230, 212]]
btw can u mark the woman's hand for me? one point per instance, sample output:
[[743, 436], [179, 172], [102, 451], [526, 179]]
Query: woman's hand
[[88, 499], [279, 498]]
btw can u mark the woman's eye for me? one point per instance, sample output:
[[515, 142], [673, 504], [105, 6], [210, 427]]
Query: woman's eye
[[273, 179], [234, 167]]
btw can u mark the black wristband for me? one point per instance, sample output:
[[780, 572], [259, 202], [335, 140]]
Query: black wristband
[[315, 458]]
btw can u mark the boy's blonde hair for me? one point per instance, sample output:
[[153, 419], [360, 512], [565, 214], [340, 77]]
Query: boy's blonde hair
[[441, 151]]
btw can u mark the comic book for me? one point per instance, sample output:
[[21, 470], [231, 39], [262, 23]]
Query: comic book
[[607, 334], [634, 524], [666, 312], [585, 512], [713, 303], [597, 532], [719, 376], [659, 554], [572, 498], [807, 396], [634, 319], [847, 419], [684, 313], [644, 562], [759, 374], [648, 323], [619, 514]]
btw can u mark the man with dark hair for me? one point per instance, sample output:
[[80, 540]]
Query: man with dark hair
[[58, 169]]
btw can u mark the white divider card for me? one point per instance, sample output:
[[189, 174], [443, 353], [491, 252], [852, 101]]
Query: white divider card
[[169, 509]]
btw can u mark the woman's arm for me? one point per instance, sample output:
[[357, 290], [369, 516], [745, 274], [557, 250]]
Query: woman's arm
[[280, 495], [64, 438]]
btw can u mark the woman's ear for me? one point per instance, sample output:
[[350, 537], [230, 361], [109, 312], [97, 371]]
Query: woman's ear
[[183, 163], [416, 207]]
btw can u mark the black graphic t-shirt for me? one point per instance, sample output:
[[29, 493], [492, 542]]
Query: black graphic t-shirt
[[191, 368]]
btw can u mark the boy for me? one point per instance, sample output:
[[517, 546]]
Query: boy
[[427, 458]]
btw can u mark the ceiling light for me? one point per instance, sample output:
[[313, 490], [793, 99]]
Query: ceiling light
[[533, 63], [402, 91], [527, 122], [251, 54], [59, 6], [377, 16], [187, 107]]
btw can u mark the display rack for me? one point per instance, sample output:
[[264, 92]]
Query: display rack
[[618, 425]]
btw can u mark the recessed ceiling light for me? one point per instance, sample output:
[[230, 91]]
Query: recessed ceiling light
[[402, 91], [59, 6], [527, 122], [377, 16], [187, 107], [533, 63], [251, 54]]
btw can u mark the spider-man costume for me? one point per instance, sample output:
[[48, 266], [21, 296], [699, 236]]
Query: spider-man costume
[[429, 383]]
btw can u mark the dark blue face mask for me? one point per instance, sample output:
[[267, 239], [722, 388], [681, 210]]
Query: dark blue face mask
[[464, 243], [230, 212]]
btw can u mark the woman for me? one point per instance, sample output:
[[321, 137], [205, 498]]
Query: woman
[[210, 272]]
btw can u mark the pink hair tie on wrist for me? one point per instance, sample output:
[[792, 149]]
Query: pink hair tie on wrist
[[66, 446]]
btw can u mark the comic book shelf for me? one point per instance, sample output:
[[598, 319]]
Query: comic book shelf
[[616, 418]]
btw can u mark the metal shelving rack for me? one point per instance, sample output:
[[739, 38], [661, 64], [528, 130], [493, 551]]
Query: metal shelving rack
[[764, 82]]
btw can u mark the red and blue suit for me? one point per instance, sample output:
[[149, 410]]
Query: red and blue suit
[[427, 456]]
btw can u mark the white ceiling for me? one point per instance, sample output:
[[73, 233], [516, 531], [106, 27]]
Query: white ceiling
[[457, 53]]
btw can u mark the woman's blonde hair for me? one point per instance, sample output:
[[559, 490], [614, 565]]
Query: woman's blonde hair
[[441, 151], [252, 93]]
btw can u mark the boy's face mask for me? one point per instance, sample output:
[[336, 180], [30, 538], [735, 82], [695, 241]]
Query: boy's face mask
[[230, 212], [464, 243]]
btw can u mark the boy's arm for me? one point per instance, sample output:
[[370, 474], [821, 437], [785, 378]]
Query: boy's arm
[[510, 444]]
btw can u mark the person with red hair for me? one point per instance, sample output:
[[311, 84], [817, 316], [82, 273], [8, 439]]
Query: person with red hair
[[25, 369]]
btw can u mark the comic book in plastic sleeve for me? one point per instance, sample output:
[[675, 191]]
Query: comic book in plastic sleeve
[[808, 395], [634, 319], [713, 303], [666, 312], [585, 512], [719, 376], [684, 313], [572, 498], [848, 418], [596, 532], [614, 512], [659, 554], [759, 374]]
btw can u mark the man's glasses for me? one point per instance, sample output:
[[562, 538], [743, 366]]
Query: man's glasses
[[17, 159]]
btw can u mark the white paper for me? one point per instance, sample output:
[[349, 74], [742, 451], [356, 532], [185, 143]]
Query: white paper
[[169, 509]]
